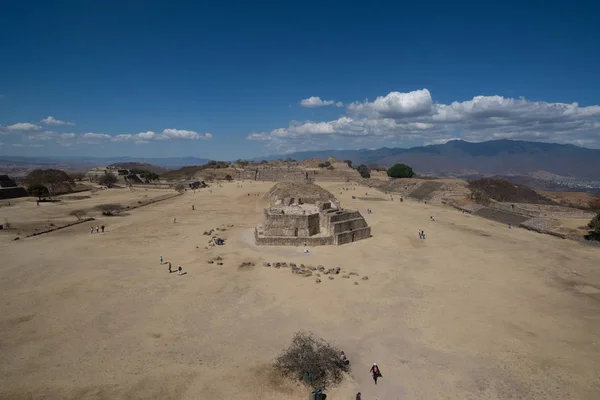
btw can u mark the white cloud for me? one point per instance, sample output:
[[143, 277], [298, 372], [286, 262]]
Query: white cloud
[[49, 135], [396, 105], [339, 104], [23, 126], [93, 138], [50, 120], [315, 101], [182, 134], [413, 117], [27, 145]]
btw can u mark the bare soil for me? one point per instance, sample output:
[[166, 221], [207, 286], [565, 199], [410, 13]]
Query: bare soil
[[475, 311]]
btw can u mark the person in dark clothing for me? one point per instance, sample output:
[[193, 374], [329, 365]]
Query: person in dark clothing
[[375, 372], [358, 396], [170, 270], [102, 227]]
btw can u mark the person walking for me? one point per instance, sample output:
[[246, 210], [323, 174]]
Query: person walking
[[102, 227], [92, 229], [161, 259], [170, 270], [375, 372], [179, 270], [97, 229], [358, 396]]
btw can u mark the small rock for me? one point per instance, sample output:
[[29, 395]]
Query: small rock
[[337, 270], [346, 276], [365, 278], [307, 274], [218, 258], [318, 280], [312, 268], [219, 263], [320, 268], [277, 266], [292, 264], [211, 262], [331, 278], [353, 274], [356, 283], [318, 274]]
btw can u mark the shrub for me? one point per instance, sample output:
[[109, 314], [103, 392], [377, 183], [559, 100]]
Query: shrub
[[349, 162], [400, 171], [180, 188], [79, 214], [311, 360], [364, 171], [228, 177], [110, 210]]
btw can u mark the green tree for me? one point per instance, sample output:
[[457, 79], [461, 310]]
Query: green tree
[[38, 191], [364, 171], [400, 171], [54, 180]]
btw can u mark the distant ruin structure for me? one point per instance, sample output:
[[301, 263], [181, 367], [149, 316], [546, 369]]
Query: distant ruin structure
[[9, 189], [306, 214]]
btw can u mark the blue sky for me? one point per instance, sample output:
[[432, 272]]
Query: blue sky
[[226, 80]]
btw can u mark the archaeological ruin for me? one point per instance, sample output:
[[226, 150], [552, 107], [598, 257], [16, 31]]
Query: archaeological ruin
[[305, 214]]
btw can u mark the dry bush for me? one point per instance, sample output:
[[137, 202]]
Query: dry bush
[[180, 188], [110, 210], [312, 361], [79, 214]]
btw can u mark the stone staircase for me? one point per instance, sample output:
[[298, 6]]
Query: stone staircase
[[424, 191], [348, 227]]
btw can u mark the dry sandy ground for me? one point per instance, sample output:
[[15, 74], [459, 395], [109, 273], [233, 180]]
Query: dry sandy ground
[[475, 311], [26, 217]]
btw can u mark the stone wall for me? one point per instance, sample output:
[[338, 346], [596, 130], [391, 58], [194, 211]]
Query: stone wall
[[291, 241], [12, 193], [353, 236], [349, 225], [291, 225]]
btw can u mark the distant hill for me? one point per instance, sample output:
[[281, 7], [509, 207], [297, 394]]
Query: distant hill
[[19, 166], [460, 158]]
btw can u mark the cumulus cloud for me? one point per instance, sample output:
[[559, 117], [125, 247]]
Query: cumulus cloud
[[23, 126], [50, 120], [414, 117], [396, 105], [315, 101]]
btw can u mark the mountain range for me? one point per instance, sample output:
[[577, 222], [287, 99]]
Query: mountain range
[[454, 158], [460, 158]]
